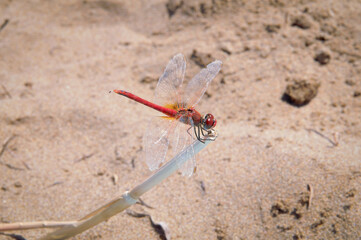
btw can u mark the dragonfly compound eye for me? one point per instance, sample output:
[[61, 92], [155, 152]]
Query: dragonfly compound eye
[[209, 121]]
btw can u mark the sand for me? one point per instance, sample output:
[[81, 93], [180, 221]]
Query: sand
[[278, 170]]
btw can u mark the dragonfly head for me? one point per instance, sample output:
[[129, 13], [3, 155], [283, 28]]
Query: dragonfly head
[[209, 121]]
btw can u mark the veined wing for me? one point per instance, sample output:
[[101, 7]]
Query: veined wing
[[181, 140], [168, 88], [199, 83], [156, 140]]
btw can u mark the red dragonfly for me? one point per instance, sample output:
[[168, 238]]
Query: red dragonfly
[[177, 103]]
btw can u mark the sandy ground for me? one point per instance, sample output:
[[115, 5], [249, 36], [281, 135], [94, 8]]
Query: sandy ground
[[276, 171]]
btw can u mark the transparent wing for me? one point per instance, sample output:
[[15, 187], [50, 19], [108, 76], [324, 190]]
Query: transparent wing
[[188, 168], [169, 84], [156, 140], [199, 83], [182, 139]]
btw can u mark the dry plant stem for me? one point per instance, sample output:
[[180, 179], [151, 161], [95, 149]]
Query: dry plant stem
[[334, 143], [165, 171], [4, 88], [126, 200], [32, 225], [310, 189], [3, 150], [6, 143]]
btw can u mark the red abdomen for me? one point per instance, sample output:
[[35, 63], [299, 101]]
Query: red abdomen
[[167, 111]]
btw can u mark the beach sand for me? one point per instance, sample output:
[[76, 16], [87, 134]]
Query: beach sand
[[286, 163]]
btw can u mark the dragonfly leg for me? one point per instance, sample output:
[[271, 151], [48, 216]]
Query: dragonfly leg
[[189, 132], [206, 132], [203, 130], [198, 134]]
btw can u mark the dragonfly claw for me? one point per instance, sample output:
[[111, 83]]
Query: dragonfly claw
[[212, 134]]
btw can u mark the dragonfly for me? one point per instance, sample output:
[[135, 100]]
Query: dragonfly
[[177, 104]]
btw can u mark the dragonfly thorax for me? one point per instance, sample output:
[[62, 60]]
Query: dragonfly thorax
[[184, 114]]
